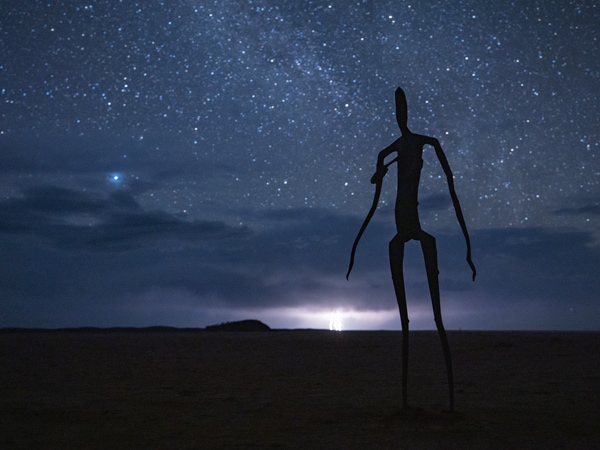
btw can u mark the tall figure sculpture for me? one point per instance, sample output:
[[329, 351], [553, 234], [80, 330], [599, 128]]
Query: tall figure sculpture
[[409, 159]]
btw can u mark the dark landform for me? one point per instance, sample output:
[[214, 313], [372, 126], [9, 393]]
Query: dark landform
[[240, 325], [149, 389]]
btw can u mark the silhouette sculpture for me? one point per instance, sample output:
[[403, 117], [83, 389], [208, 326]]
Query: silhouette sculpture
[[409, 159]]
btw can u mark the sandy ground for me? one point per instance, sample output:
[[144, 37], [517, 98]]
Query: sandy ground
[[296, 389]]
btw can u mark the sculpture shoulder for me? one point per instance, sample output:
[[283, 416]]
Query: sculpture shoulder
[[426, 140], [393, 147]]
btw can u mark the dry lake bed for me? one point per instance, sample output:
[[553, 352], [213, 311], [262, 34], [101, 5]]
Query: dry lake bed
[[152, 389]]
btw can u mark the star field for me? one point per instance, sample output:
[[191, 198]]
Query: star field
[[215, 110], [297, 98]]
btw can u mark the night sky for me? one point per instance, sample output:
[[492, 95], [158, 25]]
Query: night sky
[[185, 163]]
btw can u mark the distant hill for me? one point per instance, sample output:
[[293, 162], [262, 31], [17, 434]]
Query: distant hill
[[240, 325]]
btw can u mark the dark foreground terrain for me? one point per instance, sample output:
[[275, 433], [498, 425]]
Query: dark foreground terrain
[[295, 389]]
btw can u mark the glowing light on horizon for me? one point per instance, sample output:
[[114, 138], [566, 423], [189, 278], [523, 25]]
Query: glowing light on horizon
[[335, 321], [320, 318]]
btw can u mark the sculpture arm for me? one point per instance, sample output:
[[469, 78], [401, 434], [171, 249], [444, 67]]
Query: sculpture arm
[[459, 215], [382, 167], [377, 180]]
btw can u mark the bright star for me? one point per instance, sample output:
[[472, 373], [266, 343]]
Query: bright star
[[115, 178]]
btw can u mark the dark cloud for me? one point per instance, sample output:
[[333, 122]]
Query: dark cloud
[[95, 222], [289, 258], [593, 209], [434, 203], [557, 266]]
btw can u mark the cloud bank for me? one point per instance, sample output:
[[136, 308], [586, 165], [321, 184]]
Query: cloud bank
[[75, 258]]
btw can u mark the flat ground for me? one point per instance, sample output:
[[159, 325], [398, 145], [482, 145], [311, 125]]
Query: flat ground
[[296, 389]]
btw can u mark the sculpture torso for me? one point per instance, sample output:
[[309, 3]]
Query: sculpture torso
[[409, 148]]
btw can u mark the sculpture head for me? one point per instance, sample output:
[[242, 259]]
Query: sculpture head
[[402, 111]]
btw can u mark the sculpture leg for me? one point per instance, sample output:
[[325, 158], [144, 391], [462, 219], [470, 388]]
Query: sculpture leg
[[396, 261], [431, 266]]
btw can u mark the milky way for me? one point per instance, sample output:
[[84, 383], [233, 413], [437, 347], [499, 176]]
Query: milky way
[[293, 101], [217, 110]]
